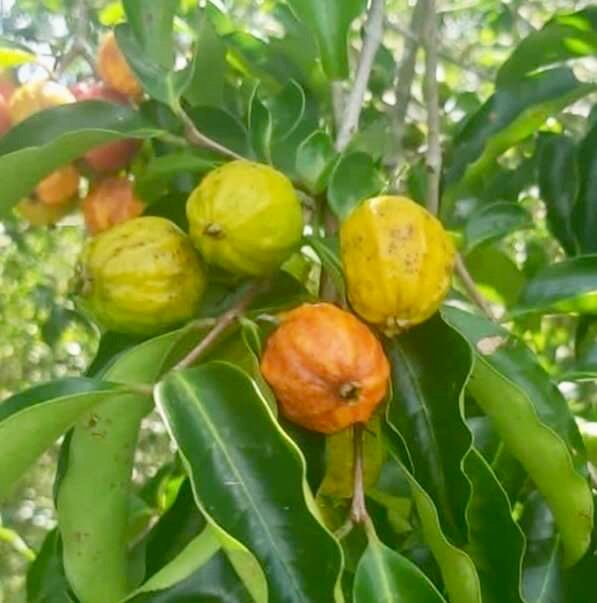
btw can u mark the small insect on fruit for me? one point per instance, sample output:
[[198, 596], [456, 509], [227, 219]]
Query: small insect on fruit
[[326, 367], [398, 262]]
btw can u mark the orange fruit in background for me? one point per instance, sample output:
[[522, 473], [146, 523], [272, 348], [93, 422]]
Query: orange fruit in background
[[7, 85], [37, 96], [109, 202], [5, 121], [326, 367], [114, 69], [38, 213], [59, 187], [111, 156]]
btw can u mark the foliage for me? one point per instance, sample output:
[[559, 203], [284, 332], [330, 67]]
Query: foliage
[[479, 466]]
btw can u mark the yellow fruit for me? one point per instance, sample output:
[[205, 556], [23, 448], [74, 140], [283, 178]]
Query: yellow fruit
[[141, 277], [398, 261], [245, 217], [37, 96], [114, 69]]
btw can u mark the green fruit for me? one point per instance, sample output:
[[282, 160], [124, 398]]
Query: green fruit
[[246, 218], [142, 277]]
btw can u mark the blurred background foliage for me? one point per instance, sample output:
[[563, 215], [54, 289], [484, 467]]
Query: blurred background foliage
[[41, 337]]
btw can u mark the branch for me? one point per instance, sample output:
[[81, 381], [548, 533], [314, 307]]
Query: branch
[[406, 75], [471, 288], [221, 324], [434, 153], [354, 105], [79, 46]]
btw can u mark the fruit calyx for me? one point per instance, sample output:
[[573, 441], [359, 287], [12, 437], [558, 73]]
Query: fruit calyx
[[214, 230], [350, 392]]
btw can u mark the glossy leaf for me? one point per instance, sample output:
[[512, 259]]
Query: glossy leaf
[[222, 127], [585, 211], [526, 407], [250, 479], [330, 22], [328, 250], [492, 222], [558, 184], [151, 23], [354, 179], [564, 37], [584, 367], [568, 286], [508, 117], [31, 421], [54, 137], [260, 128], [384, 576], [207, 72], [542, 564], [314, 161]]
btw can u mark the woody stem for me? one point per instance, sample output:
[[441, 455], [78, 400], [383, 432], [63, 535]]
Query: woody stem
[[358, 511]]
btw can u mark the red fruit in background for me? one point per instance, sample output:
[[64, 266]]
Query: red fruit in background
[[5, 121], [112, 156], [7, 86], [110, 202]]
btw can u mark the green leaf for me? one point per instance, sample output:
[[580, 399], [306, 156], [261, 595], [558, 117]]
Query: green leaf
[[31, 421], [222, 127], [532, 418], [207, 72], [584, 367], [384, 576], [542, 573], [492, 222], [161, 83], [564, 37], [315, 159], [328, 250], [568, 286], [354, 178], [260, 128], [46, 582], [57, 136], [558, 184], [585, 211], [249, 478], [151, 23], [509, 116], [330, 22]]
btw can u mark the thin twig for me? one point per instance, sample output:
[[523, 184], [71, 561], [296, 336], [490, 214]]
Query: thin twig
[[358, 511], [19, 545], [471, 288], [354, 105], [79, 46], [221, 324], [198, 139], [434, 153], [406, 76]]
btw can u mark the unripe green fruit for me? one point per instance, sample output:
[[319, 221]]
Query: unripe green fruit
[[142, 277], [246, 218]]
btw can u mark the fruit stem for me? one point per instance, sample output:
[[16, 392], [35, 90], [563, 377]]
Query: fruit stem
[[221, 324], [358, 511]]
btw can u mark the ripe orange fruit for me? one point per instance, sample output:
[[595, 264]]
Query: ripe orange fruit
[[36, 96], [114, 69], [59, 187], [326, 367], [110, 202], [5, 121]]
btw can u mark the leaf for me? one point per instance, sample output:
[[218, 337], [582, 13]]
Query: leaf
[[46, 582], [57, 136], [315, 159], [532, 418], [563, 37], [249, 478], [207, 72], [330, 22], [161, 83], [542, 573], [384, 576], [31, 421], [558, 184], [328, 250], [354, 179], [14, 57], [152, 23], [260, 128], [222, 127], [568, 286], [584, 367], [492, 222], [509, 116], [585, 211]]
